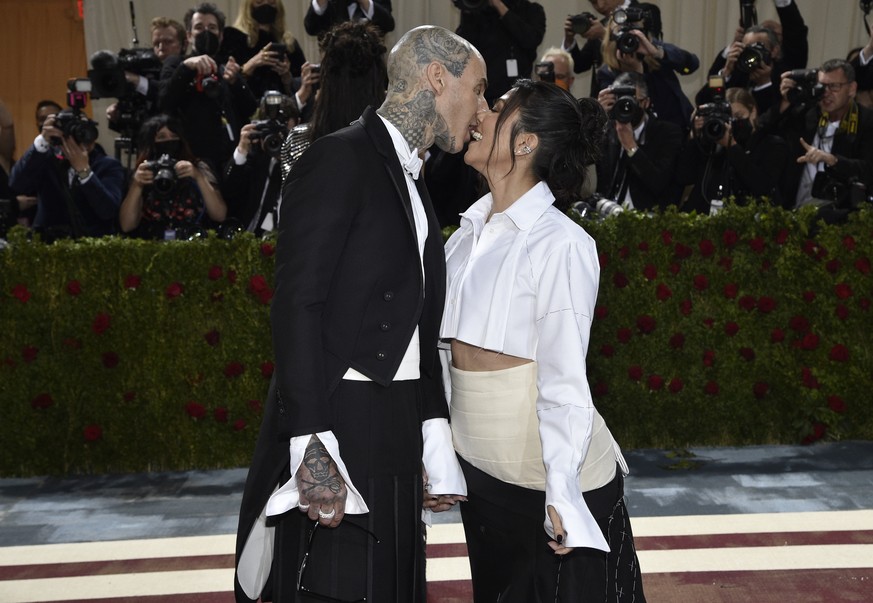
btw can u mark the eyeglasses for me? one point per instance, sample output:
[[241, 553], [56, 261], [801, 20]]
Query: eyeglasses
[[301, 588], [835, 86]]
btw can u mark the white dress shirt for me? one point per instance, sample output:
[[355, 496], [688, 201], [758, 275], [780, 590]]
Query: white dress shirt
[[524, 282]]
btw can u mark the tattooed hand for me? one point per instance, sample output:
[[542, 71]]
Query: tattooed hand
[[320, 486]]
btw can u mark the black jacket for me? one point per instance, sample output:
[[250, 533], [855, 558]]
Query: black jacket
[[337, 12]]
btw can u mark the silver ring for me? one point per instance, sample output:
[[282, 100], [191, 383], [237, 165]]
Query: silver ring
[[327, 515], [303, 507]]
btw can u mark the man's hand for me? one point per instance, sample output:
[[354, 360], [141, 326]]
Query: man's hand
[[814, 155], [75, 153], [606, 98], [322, 489], [231, 70], [625, 134], [438, 502], [245, 141], [203, 64], [49, 131]]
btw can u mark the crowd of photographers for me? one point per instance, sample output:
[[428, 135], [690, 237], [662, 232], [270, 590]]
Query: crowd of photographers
[[203, 115]]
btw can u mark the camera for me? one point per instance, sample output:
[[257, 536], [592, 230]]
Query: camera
[[545, 71], [753, 56], [279, 48], [748, 14], [626, 109], [164, 169], [72, 122], [716, 116], [597, 207], [271, 131], [471, 5], [626, 41], [208, 85], [108, 69], [582, 22], [807, 90]]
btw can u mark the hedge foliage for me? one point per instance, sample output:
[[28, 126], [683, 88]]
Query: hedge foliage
[[749, 327]]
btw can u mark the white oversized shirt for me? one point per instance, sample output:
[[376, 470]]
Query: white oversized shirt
[[524, 282]]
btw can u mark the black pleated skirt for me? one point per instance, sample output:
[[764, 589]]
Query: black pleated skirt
[[511, 561], [379, 433]]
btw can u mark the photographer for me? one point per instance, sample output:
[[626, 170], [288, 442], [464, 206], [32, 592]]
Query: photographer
[[752, 64], [728, 156], [637, 166], [507, 33], [78, 188], [632, 46], [212, 100], [829, 133], [325, 14], [172, 195], [557, 66], [253, 177]]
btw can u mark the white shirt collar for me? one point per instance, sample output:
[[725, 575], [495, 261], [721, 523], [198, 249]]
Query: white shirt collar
[[409, 159], [524, 212]]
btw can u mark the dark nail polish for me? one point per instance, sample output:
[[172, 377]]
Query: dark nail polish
[[560, 538]]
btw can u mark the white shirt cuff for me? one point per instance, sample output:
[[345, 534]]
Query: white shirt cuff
[[568, 48], [239, 158], [444, 474], [864, 59], [287, 497], [142, 85], [41, 144], [318, 10], [782, 3]]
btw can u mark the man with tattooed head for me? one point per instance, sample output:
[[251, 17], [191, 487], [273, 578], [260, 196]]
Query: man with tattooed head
[[354, 440]]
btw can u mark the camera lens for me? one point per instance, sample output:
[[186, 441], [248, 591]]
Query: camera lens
[[627, 43]]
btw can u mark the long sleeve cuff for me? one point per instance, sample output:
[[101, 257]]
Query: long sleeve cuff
[[444, 473], [580, 527], [287, 497], [41, 144], [318, 10]]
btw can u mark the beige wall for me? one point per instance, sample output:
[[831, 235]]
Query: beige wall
[[701, 26]]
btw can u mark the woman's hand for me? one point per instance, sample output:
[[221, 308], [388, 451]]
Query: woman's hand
[[186, 169], [560, 535], [143, 175]]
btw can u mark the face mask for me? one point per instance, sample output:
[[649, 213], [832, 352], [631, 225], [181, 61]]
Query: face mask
[[168, 147], [206, 43], [264, 14], [741, 130]]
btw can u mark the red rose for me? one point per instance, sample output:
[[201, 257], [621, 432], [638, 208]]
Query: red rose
[[267, 250], [809, 342], [682, 251], [781, 236], [675, 268], [701, 283], [777, 336], [619, 280], [42, 401], [731, 328], [129, 396], [707, 248], [21, 293], [239, 425], [650, 272], [255, 406], [655, 382], [623, 252], [234, 369], [220, 414], [267, 369], [849, 242], [195, 410], [109, 359], [730, 238], [760, 389], [708, 358], [833, 266], [800, 324], [757, 245], [808, 296], [257, 283], [862, 265], [213, 337], [215, 272], [809, 247], [601, 312], [839, 353], [600, 389], [841, 311], [643, 246], [748, 302], [29, 353], [624, 335], [101, 323], [265, 296], [808, 379], [864, 304], [645, 324], [836, 404], [843, 290], [726, 263], [818, 431], [663, 292], [74, 287], [635, 373], [677, 341], [708, 322], [607, 351], [685, 307], [132, 281], [711, 388], [766, 304], [676, 385], [174, 290], [231, 276], [747, 354], [92, 433], [667, 237]]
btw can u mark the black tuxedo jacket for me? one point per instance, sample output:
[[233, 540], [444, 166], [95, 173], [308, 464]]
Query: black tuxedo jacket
[[337, 12], [349, 293], [650, 172]]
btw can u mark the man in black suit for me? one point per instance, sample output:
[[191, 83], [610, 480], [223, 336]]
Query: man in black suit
[[638, 164], [324, 14], [356, 416]]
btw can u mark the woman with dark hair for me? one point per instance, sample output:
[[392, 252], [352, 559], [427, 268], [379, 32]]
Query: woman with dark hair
[[172, 193], [353, 77], [521, 290]]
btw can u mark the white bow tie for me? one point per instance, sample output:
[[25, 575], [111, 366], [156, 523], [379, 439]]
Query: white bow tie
[[413, 165]]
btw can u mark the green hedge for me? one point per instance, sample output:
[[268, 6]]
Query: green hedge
[[745, 328]]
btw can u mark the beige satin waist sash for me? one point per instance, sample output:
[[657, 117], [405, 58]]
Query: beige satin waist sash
[[495, 429]]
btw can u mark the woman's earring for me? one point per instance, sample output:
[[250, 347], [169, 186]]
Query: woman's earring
[[524, 150]]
